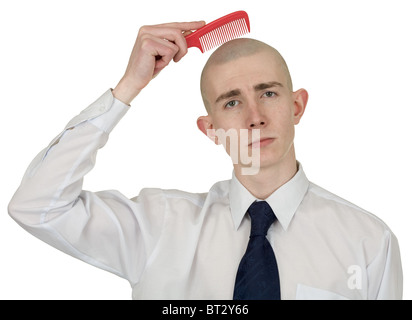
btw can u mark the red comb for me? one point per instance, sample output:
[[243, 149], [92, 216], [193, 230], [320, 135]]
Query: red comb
[[219, 31]]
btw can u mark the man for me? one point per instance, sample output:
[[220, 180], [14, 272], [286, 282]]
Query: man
[[171, 244]]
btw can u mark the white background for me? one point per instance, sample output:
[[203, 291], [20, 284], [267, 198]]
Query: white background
[[57, 57]]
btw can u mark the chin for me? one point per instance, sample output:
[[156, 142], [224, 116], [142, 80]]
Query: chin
[[270, 160]]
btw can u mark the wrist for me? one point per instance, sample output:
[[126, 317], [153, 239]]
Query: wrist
[[125, 91]]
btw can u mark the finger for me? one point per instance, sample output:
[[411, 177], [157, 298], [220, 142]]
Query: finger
[[186, 33], [180, 40], [163, 51], [173, 35], [183, 26], [173, 32]]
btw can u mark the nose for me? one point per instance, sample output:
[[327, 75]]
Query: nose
[[253, 125], [256, 118]]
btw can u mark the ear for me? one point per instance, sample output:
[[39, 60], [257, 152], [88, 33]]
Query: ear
[[300, 101], [204, 123]]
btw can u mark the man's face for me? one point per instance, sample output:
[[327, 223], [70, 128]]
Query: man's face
[[252, 93]]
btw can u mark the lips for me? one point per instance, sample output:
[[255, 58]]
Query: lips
[[262, 142]]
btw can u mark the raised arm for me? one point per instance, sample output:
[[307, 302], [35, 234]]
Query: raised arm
[[102, 228]]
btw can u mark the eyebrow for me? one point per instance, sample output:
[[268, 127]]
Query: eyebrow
[[258, 87], [267, 85], [229, 94]]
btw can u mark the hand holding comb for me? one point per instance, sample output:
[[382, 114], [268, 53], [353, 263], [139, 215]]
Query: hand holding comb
[[219, 31]]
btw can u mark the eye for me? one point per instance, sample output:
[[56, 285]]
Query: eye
[[231, 104], [269, 94]]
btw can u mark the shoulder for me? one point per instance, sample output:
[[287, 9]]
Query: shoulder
[[159, 195], [197, 199], [331, 206]]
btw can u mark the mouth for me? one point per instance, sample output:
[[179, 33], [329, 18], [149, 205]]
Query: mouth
[[263, 142]]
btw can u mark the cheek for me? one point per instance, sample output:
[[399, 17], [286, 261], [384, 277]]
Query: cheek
[[283, 124], [230, 121], [282, 116]]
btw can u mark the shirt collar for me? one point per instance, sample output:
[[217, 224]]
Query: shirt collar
[[284, 201]]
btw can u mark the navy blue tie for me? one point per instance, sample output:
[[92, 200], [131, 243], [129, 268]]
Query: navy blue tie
[[258, 277]]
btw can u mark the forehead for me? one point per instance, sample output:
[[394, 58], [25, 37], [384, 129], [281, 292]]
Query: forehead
[[243, 73]]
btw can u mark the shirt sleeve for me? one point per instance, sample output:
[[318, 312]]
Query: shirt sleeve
[[99, 228], [385, 272]]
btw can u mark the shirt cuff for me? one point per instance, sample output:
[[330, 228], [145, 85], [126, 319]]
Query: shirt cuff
[[104, 113], [109, 119]]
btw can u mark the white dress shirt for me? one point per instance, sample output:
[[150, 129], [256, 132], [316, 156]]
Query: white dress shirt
[[171, 244]]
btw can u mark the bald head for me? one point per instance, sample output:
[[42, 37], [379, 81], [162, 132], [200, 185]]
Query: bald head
[[236, 49]]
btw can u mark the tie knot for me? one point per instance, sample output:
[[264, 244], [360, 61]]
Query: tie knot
[[261, 216]]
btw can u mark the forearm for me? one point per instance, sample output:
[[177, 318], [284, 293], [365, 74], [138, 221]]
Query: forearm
[[53, 181], [96, 227]]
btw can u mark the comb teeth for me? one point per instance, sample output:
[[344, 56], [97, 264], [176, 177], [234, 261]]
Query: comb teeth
[[224, 33]]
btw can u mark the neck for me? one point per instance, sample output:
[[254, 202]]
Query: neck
[[270, 178]]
